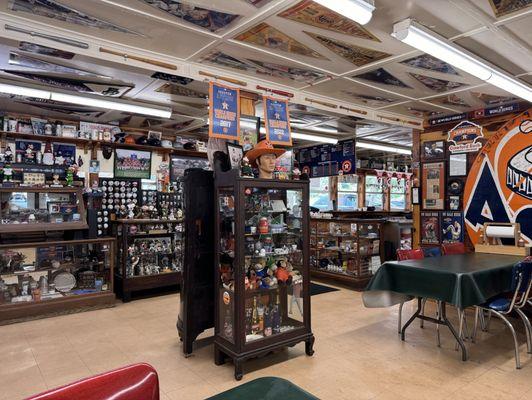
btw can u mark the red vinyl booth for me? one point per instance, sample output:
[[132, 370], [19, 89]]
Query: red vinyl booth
[[134, 382], [453, 248], [414, 254]]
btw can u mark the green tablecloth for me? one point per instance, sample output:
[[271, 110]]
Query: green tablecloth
[[463, 280], [265, 389]]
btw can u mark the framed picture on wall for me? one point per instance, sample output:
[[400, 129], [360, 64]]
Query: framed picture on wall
[[433, 186], [430, 227], [415, 196], [249, 128], [452, 226], [132, 164], [433, 150], [454, 203], [458, 164], [235, 153]]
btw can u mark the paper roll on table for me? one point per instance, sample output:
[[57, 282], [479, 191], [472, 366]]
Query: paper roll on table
[[500, 232]]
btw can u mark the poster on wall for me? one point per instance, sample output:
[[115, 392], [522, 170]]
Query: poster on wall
[[433, 150], [132, 164], [499, 183], [277, 121], [224, 112], [465, 138], [178, 165], [327, 159], [430, 227], [452, 227], [434, 186]]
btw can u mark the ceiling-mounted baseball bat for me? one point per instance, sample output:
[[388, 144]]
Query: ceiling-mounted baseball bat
[[137, 58], [223, 78], [58, 39]]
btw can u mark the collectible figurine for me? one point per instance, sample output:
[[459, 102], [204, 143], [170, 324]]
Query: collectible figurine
[[59, 160], [263, 156], [246, 170], [296, 173], [29, 156], [8, 173], [55, 181], [48, 155], [8, 155], [131, 210], [80, 161], [73, 169]]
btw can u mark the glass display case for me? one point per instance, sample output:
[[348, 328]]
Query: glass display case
[[25, 209], [347, 250], [262, 278], [55, 277], [150, 254]]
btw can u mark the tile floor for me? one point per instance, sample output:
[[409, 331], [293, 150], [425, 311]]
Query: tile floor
[[358, 355]]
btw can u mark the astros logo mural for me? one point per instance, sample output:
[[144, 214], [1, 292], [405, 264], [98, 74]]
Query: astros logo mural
[[499, 184]]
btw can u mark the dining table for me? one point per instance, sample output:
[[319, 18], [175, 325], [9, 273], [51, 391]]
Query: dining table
[[463, 280]]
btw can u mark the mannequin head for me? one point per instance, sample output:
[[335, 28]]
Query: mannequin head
[[266, 165]]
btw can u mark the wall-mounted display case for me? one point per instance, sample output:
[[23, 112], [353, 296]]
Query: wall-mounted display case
[[50, 278], [30, 209], [347, 250], [150, 254], [262, 275]]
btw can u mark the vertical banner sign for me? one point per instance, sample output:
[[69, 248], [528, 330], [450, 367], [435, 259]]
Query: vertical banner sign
[[224, 112], [277, 121]]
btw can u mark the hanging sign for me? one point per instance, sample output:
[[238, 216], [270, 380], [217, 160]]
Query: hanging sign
[[224, 112], [277, 121], [327, 159], [490, 112], [465, 138], [447, 119]]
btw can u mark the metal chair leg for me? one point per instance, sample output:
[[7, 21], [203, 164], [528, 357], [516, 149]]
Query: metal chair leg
[[528, 329], [487, 328], [423, 302], [475, 326], [399, 325], [460, 326], [516, 343]]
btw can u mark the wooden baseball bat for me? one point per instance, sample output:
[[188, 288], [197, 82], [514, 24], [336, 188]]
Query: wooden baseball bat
[[223, 78], [275, 91], [321, 102], [137, 58], [354, 110]]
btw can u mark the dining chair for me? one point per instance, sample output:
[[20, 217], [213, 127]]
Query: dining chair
[[453, 248], [503, 305], [402, 255], [432, 251]]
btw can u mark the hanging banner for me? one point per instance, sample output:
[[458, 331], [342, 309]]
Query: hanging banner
[[277, 121], [224, 112], [464, 138]]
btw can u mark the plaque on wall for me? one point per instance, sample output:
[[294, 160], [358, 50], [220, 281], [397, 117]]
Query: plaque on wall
[[458, 164], [434, 186]]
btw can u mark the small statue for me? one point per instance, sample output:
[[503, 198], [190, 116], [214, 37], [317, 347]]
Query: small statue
[[73, 169], [296, 173], [29, 154], [246, 170], [8, 173], [48, 155], [131, 210], [8, 155], [59, 159], [55, 181], [80, 161]]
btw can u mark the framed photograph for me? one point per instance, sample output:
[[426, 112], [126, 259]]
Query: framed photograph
[[433, 186], [94, 166], [454, 203], [235, 153], [458, 164], [178, 165], [38, 125], [249, 126], [33, 178], [415, 196], [155, 135], [433, 150], [54, 207], [132, 164], [452, 226]]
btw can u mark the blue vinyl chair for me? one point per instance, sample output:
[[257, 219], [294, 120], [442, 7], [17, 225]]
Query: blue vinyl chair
[[502, 306], [432, 251]]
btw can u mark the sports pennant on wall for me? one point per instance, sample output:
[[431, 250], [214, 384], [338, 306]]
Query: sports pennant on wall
[[224, 112], [277, 121]]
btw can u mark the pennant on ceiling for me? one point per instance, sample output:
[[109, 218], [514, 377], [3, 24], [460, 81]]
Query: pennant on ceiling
[[430, 63], [380, 75], [438, 85]]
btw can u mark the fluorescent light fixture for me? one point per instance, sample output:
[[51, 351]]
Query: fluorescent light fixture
[[112, 105], [24, 91], [314, 138], [382, 147], [437, 46], [358, 10]]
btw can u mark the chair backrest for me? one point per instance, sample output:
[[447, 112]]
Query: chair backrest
[[522, 281], [134, 382], [413, 254], [432, 251], [453, 248]]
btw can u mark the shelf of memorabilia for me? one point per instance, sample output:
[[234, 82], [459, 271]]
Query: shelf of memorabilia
[[55, 277], [150, 254], [39, 209], [90, 143], [262, 279], [347, 250]]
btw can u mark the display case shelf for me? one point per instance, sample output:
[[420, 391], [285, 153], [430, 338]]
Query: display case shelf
[[262, 300], [49, 278], [342, 259]]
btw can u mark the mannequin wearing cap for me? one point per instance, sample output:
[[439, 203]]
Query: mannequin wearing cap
[[263, 156]]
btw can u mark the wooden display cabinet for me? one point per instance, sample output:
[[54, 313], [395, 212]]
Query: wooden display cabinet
[[345, 250], [262, 267], [150, 254], [55, 277], [41, 209]]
